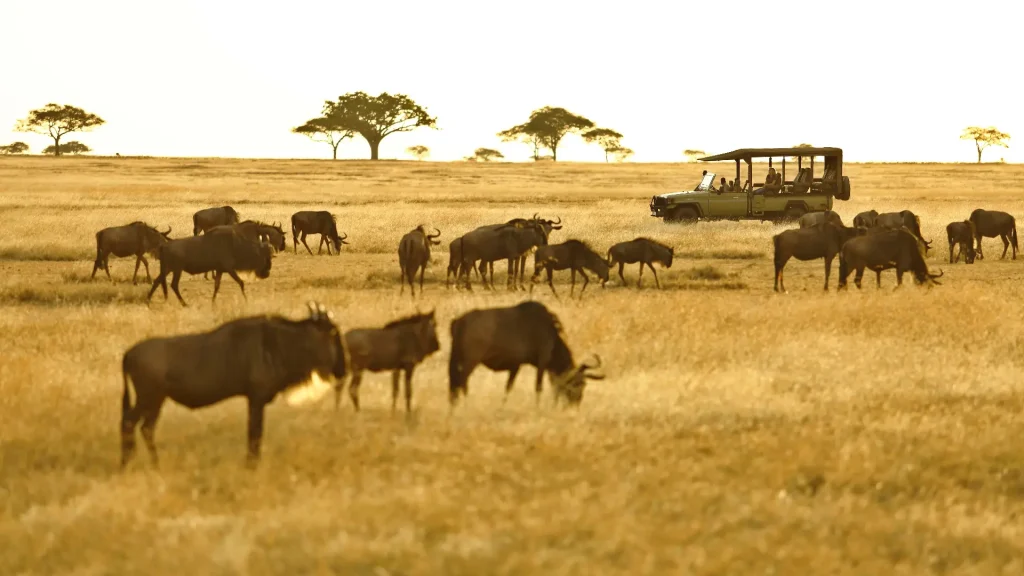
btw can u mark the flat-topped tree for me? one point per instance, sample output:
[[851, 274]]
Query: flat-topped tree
[[485, 155], [74, 147], [985, 137], [55, 121], [694, 153], [325, 130], [14, 148], [376, 117], [609, 140], [418, 151], [621, 153], [546, 127]]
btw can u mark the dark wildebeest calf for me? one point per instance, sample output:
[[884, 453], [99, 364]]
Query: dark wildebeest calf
[[907, 219], [217, 251], [642, 250], [504, 339], [414, 255], [571, 255], [207, 218], [135, 239], [257, 357], [865, 219], [822, 241], [812, 219], [900, 249], [961, 234], [319, 222], [399, 345], [991, 223]]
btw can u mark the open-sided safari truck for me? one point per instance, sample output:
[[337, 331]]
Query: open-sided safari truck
[[779, 200]]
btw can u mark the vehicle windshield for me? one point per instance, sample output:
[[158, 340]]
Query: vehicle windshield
[[705, 184]]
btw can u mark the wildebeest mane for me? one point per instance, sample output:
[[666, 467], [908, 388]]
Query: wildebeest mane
[[414, 319], [655, 242], [561, 357]]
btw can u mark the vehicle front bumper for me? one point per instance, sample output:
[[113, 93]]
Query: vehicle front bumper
[[659, 206]]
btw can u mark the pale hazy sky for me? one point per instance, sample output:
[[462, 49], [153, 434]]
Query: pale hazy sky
[[892, 80]]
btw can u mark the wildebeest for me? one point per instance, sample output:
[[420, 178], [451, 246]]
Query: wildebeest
[[218, 251], [572, 255], [900, 249], [319, 222], [487, 244], [642, 250], [812, 219], [135, 239], [414, 254], [207, 218], [399, 345], [504, 339], [991, 223], [257, 357], [822, 241], [258, 231], [903, 218], [866, 219], [961, 234]]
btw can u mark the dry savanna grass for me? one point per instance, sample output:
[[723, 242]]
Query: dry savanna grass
[[738, 431]]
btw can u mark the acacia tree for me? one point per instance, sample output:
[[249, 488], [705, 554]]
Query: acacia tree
[[546, 127], [795, 158], [376, 117], [418, 152], [323, 129], [14, 148], [609, 140], [56, 121], [694, 153], [74, 147], [621, 153], [985, 137], [485, 155]]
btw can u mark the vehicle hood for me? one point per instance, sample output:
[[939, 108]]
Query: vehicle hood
[[671, 195]]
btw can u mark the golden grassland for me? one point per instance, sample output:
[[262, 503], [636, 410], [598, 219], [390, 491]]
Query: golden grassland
[[739, 431]]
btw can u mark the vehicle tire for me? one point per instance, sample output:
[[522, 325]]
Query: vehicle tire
[[683, 214], [844, 193], [793, 213]]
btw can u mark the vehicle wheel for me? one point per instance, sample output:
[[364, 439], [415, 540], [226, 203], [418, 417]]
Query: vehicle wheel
[[793, 213], [684, 214]]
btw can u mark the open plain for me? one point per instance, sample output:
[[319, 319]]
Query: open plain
[[738, 430]]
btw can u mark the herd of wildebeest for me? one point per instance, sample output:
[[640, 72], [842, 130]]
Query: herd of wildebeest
[[259, 357]]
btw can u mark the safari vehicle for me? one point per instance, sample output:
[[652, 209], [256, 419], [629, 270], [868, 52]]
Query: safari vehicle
[[756, 201]]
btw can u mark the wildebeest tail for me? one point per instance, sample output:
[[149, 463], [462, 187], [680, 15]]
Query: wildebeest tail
[[1013, 231], [776, 254], [126, 399]]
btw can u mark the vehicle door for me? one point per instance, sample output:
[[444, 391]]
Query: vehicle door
[[728, 204]]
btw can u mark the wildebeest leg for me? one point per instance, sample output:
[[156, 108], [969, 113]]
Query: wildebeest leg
[[255, 430], [859, 276], [780, 264], [150, 415], [828, 269], [96, 264], [572, 281], [303, 239], [878, 279], [621, 277], [586, 280], [234, 276], [338, 386], [402, 279], [216, 285], [511, 382], [146, 264], [899, 277], [162, 278], [353, 388], [655, 272], [522, 272], [951, 261], [422, 270], [174, 286], [129, 418], [408, 388], [135, 276], [458, 378], [1006, 245], [551, 282], [640, 279], [320, 247], [539, 387], [394, 388]]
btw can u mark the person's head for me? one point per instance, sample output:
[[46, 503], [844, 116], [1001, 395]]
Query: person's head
[[771, 171], [723, 180], [705, 173]]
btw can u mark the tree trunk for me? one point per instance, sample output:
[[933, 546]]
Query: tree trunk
[[374, 149], [554, 153], [978, 146], [605, 156], [56, 146], [335, 148]]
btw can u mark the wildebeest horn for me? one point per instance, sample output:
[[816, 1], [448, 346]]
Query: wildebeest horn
[[435, 235], [168, 233], [535, 215], [559, 220], [313, 311], [343, 239]]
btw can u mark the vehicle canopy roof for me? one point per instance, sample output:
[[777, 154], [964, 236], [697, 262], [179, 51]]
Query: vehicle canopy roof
[[747, 153]]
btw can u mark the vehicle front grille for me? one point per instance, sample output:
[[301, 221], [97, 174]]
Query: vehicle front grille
[[659, 201]]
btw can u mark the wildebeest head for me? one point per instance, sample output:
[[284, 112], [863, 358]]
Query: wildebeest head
[[275, 235], [332, 337], [426, 332], [548, 225], [264, 253], [570, 385]]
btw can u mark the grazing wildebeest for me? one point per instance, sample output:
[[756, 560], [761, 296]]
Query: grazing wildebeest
[[399, 345], [414, 254], [961, 234], [257, 357], [527, 234], [866, 219], [900, 249], [991, 223], [504, 339], [571, 255], [822, 241], [207, 218], [485, 244], [642, 250], [258, 231], [812, 219], [217, 251], [319, 222], [135, 239], [904, 218]]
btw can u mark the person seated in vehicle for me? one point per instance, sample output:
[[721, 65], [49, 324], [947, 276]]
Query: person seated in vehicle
[[772, 183], [723, 187]]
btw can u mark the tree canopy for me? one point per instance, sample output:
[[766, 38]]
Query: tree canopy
[[694, 153], [56, 120], [609, 140], [795, 158], [72, 147], [546, 128], [14, 148], [985, 137], [376, 117], [621, 153], [418, 152], [323, 129], [485, 155]]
